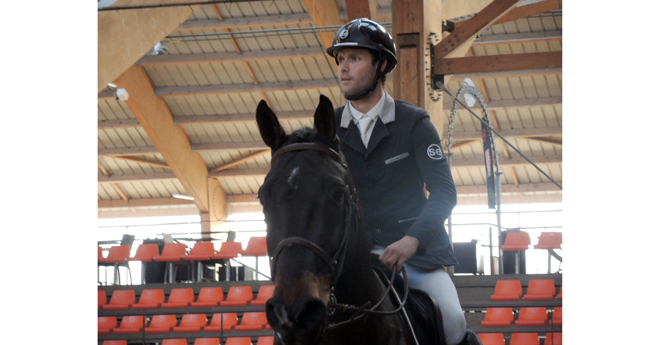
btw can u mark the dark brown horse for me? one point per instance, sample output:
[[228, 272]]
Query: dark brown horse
[[319, 249]]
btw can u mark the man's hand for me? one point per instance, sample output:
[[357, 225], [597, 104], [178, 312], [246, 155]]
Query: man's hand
[[399, 252]]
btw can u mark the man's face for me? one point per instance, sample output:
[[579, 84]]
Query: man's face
[[355, 70]]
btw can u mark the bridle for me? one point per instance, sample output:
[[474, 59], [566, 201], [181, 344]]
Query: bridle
[[335, 262]]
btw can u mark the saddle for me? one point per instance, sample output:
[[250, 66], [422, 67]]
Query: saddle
[[422, 309]]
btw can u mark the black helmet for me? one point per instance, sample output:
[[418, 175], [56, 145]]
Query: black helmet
[[365, 33], [368, 34]]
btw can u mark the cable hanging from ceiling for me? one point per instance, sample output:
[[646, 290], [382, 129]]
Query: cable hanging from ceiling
[[255, 33]]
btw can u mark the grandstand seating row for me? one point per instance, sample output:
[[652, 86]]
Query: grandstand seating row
[[184, 297], [528, 316], [520, 339], [205, 341], [119, 256], [537, 290], [190, 323]]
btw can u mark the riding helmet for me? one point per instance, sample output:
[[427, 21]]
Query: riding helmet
[[365, 33]]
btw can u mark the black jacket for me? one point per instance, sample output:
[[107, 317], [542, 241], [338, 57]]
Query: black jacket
[[404, 154]]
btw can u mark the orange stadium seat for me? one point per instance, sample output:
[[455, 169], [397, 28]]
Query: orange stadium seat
[[222, 322], [200, 252], [150, 299], [524, 339], [556, 317], [103, 298], [207, 341], [491, 338], [532, 316], [130, 325], [256, 246], [191, 323], [267, 340], [552, 339], [161, 324], [507, 290], [561, 290], [209, 297], [115, 342], [540, 289], [549, 240], [117, 257], [252, 321], [498, 317], [106, 324], [516, 241], [228, 250], [174, 342], [172, 253], [238, 296], [179, 298], [265, 292], [120, 300], [239, 341]]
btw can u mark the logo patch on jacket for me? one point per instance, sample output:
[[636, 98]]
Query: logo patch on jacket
[[434, 151]]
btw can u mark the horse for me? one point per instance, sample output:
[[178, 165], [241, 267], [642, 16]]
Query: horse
[[325, 289]]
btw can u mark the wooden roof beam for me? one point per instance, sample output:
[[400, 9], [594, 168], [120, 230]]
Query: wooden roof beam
[[522, 63], [361, 9], [529, 10], [156, 119], [465, 34], [125, 36], [324, 13]]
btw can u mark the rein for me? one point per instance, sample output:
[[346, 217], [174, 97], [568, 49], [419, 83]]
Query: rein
[[336, 262]]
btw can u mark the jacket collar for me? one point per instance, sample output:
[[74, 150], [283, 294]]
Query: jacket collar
[[386, 116], [352, 135]]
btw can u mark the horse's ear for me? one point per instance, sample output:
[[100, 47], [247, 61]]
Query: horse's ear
[[271, 131], [324, 119]]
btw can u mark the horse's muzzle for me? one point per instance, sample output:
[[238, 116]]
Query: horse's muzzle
[[301, 323]]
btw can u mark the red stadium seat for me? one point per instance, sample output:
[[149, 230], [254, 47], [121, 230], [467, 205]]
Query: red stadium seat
[[498, 317], [540, 289], [549, 240], [556, 317], [561, 290], [161, 324], [146, 252], [191, 323], [524, 339], [516, 241], [228, 250], [106, 324], [174, 342], [222, 322], [117, 257], [150, 299], [238, 296], [179, 298], [507, 290], [239, 341], [130, 325], [532, 316], [209, 297], [115, 342], [552, 339], [120, 300], [265, 292], [200, 252], [269, 341], [103, 298], [252, 321], [172, 253], [491, 338], [256, 246], [207, 341]]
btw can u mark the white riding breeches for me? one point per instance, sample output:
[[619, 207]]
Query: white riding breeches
[[438, 285]]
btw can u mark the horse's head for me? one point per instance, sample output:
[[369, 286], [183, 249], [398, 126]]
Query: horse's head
[[307, 202]]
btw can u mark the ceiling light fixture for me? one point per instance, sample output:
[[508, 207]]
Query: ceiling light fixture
[[181, 196]]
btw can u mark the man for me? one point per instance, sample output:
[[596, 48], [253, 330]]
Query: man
[[394, 151]]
